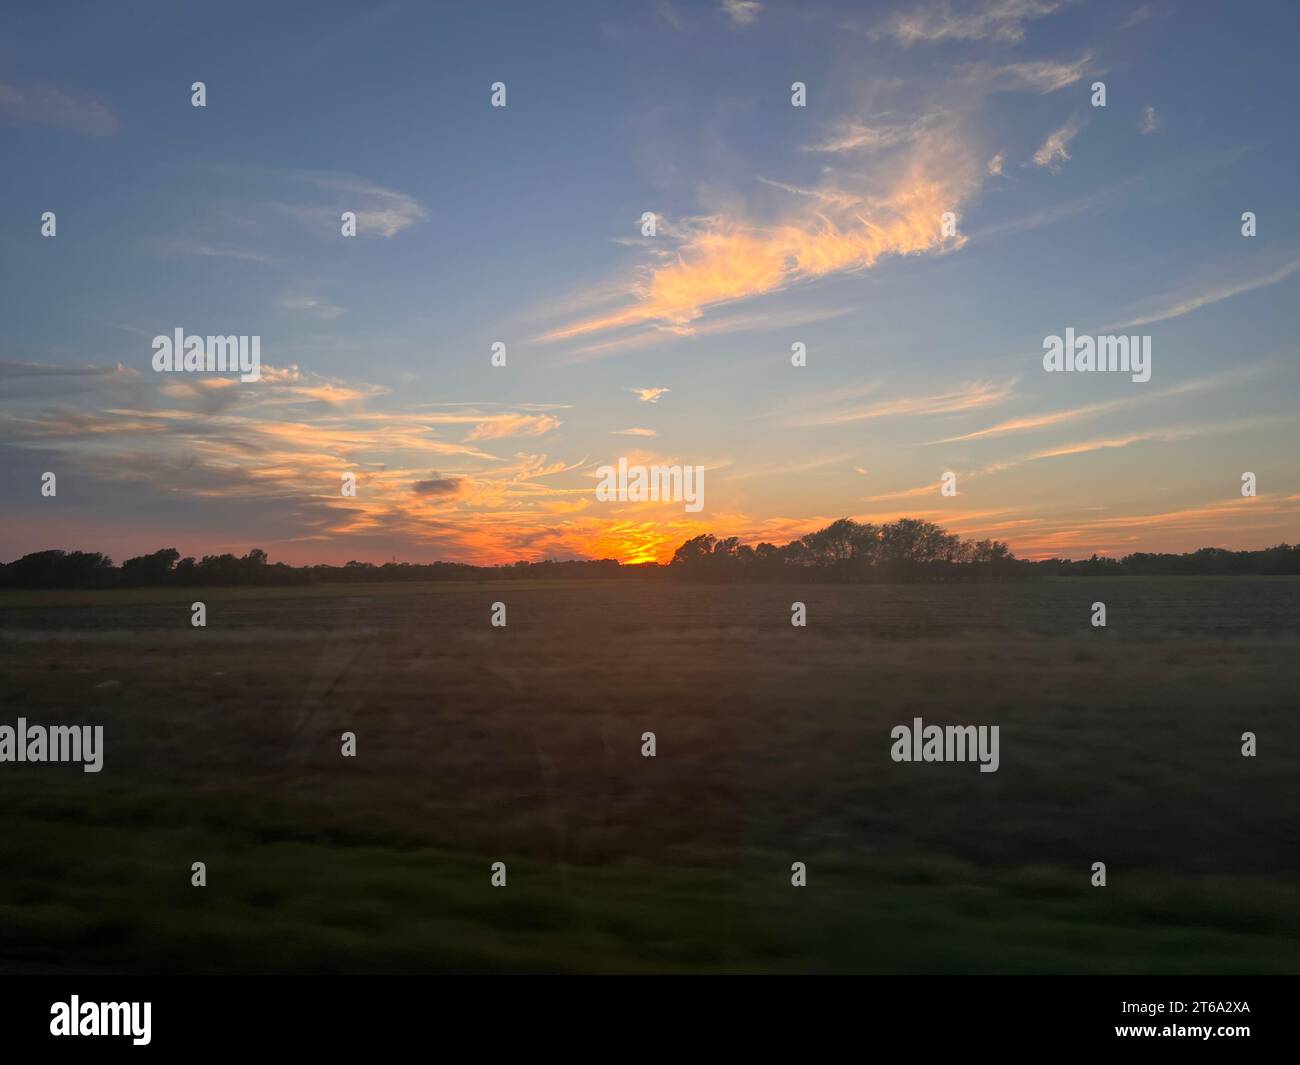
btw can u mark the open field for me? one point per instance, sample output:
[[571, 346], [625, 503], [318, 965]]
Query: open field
[[523, 745]]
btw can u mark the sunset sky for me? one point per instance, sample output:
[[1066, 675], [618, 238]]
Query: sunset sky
[[522, 224]]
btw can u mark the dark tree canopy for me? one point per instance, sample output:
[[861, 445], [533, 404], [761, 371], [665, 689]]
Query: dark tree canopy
[[847, 550], [844, 551]]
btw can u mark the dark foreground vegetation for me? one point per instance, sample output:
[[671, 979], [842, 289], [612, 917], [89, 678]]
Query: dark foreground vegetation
[[524, 744], [845, 551]]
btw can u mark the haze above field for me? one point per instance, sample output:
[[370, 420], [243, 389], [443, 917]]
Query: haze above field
[[776, 225]]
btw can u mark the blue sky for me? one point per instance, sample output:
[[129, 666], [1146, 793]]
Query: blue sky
[[521, 224]]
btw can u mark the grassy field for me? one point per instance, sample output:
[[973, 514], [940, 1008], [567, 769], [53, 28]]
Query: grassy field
[[523, 744]]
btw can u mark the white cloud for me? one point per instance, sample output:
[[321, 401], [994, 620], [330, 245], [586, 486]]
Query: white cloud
[[1055, 149], [317, 305], [54, 108], [851, 135], [742, 12], [1040, 76], [380, 212], [993, 20]]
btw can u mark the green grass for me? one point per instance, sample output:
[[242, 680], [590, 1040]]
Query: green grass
[[523, 745], [124, 903]]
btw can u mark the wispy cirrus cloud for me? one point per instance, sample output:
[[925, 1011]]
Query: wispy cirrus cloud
[[1083, 447], [1164, 435], [1047, 420], [53, 107], [279, 387], [973, 396], [381, 212], [501, 426], [783, 469], [872, 134], [318, 306], [1029, 422], [203, 249], [1055, 150], [717, 324], [1039, 76], [1056, 213], [1174, 305], [724, 259], [919, 492], [923, 165], [990, 20]]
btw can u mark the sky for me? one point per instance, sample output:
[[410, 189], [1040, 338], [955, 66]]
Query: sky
[[775, 225]]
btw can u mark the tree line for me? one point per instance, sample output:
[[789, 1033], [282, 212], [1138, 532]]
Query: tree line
[[913, 550], [845, 551], [166, 568]]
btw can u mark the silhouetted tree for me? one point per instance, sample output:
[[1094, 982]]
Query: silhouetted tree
[[147, 570]]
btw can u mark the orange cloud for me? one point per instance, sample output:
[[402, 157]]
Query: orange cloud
[[722, 259], [504, 425]]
